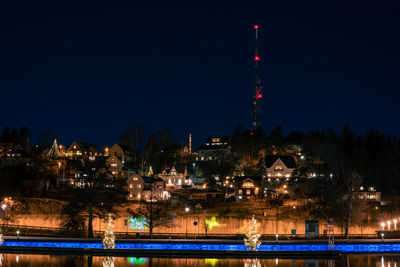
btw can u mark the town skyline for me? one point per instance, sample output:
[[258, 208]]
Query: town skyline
[[228, 133]]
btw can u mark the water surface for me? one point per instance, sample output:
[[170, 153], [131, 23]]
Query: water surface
[[26, 260]]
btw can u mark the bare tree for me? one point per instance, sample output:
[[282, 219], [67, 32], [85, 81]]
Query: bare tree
[[157, 215], [352, 183]]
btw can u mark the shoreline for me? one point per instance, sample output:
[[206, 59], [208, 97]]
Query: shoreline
[[187, 253], [155, 253], [197, 241]]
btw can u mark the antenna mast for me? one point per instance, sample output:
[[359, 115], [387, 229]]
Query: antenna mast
[[257, 94]]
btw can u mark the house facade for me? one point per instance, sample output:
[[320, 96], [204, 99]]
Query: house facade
[[80, 149], [122, 152], [215, 148], [146, 188], [279, 166], [73, 151], [176, 176], [247, 188]]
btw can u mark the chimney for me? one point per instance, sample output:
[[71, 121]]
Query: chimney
[[190, 143]]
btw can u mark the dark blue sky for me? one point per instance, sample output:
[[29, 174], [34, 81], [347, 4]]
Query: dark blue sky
[[86, 70]]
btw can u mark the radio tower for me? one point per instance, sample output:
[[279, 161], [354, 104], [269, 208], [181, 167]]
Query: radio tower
[[257, 94]]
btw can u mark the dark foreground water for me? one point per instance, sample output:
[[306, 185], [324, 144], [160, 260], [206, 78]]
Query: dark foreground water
[[25, 260]]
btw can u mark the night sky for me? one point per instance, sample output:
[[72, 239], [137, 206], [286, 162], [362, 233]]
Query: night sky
[[86, 70]]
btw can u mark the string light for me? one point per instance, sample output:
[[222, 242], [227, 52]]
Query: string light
[[109, 238], [212, 223], [252, 236]]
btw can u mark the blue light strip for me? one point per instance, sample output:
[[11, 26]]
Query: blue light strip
[[346, 248]]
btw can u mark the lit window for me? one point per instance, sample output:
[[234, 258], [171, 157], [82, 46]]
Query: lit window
[[240, 191], [130, 195], [248, 192], [278, 167], [269, 175], [248, 184], [130, 185], [139, 186]]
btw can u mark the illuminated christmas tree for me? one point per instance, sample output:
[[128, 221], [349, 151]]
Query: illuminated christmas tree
[[108, 262], [252, 263], [109, 238], [252, 236]]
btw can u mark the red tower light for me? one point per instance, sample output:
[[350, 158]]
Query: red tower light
[[255, 26], [257, 58]]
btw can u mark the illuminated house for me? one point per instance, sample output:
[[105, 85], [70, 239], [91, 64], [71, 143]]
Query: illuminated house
[[87, 170], [146, 188], [247, 187], [279, 166], [122, 152], [88, 149], [176, 176], [368, 192], [12, 154], [80, 149], [73, 151], [115, 166], [215, 148]]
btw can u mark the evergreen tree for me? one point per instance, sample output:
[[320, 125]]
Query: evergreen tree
[[252, 236], [109, 238]]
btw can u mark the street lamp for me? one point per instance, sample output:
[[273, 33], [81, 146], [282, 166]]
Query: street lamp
[[3, 207], [187, 209]]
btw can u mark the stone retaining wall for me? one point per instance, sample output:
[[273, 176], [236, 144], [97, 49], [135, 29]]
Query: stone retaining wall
[[228, 225]]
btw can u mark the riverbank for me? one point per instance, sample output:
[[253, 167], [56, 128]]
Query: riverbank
[[196, 248]]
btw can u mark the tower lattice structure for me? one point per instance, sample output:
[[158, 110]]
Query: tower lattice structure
[[257, 90]]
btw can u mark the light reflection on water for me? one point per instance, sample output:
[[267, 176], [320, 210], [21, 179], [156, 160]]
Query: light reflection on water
[[26, 260]]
